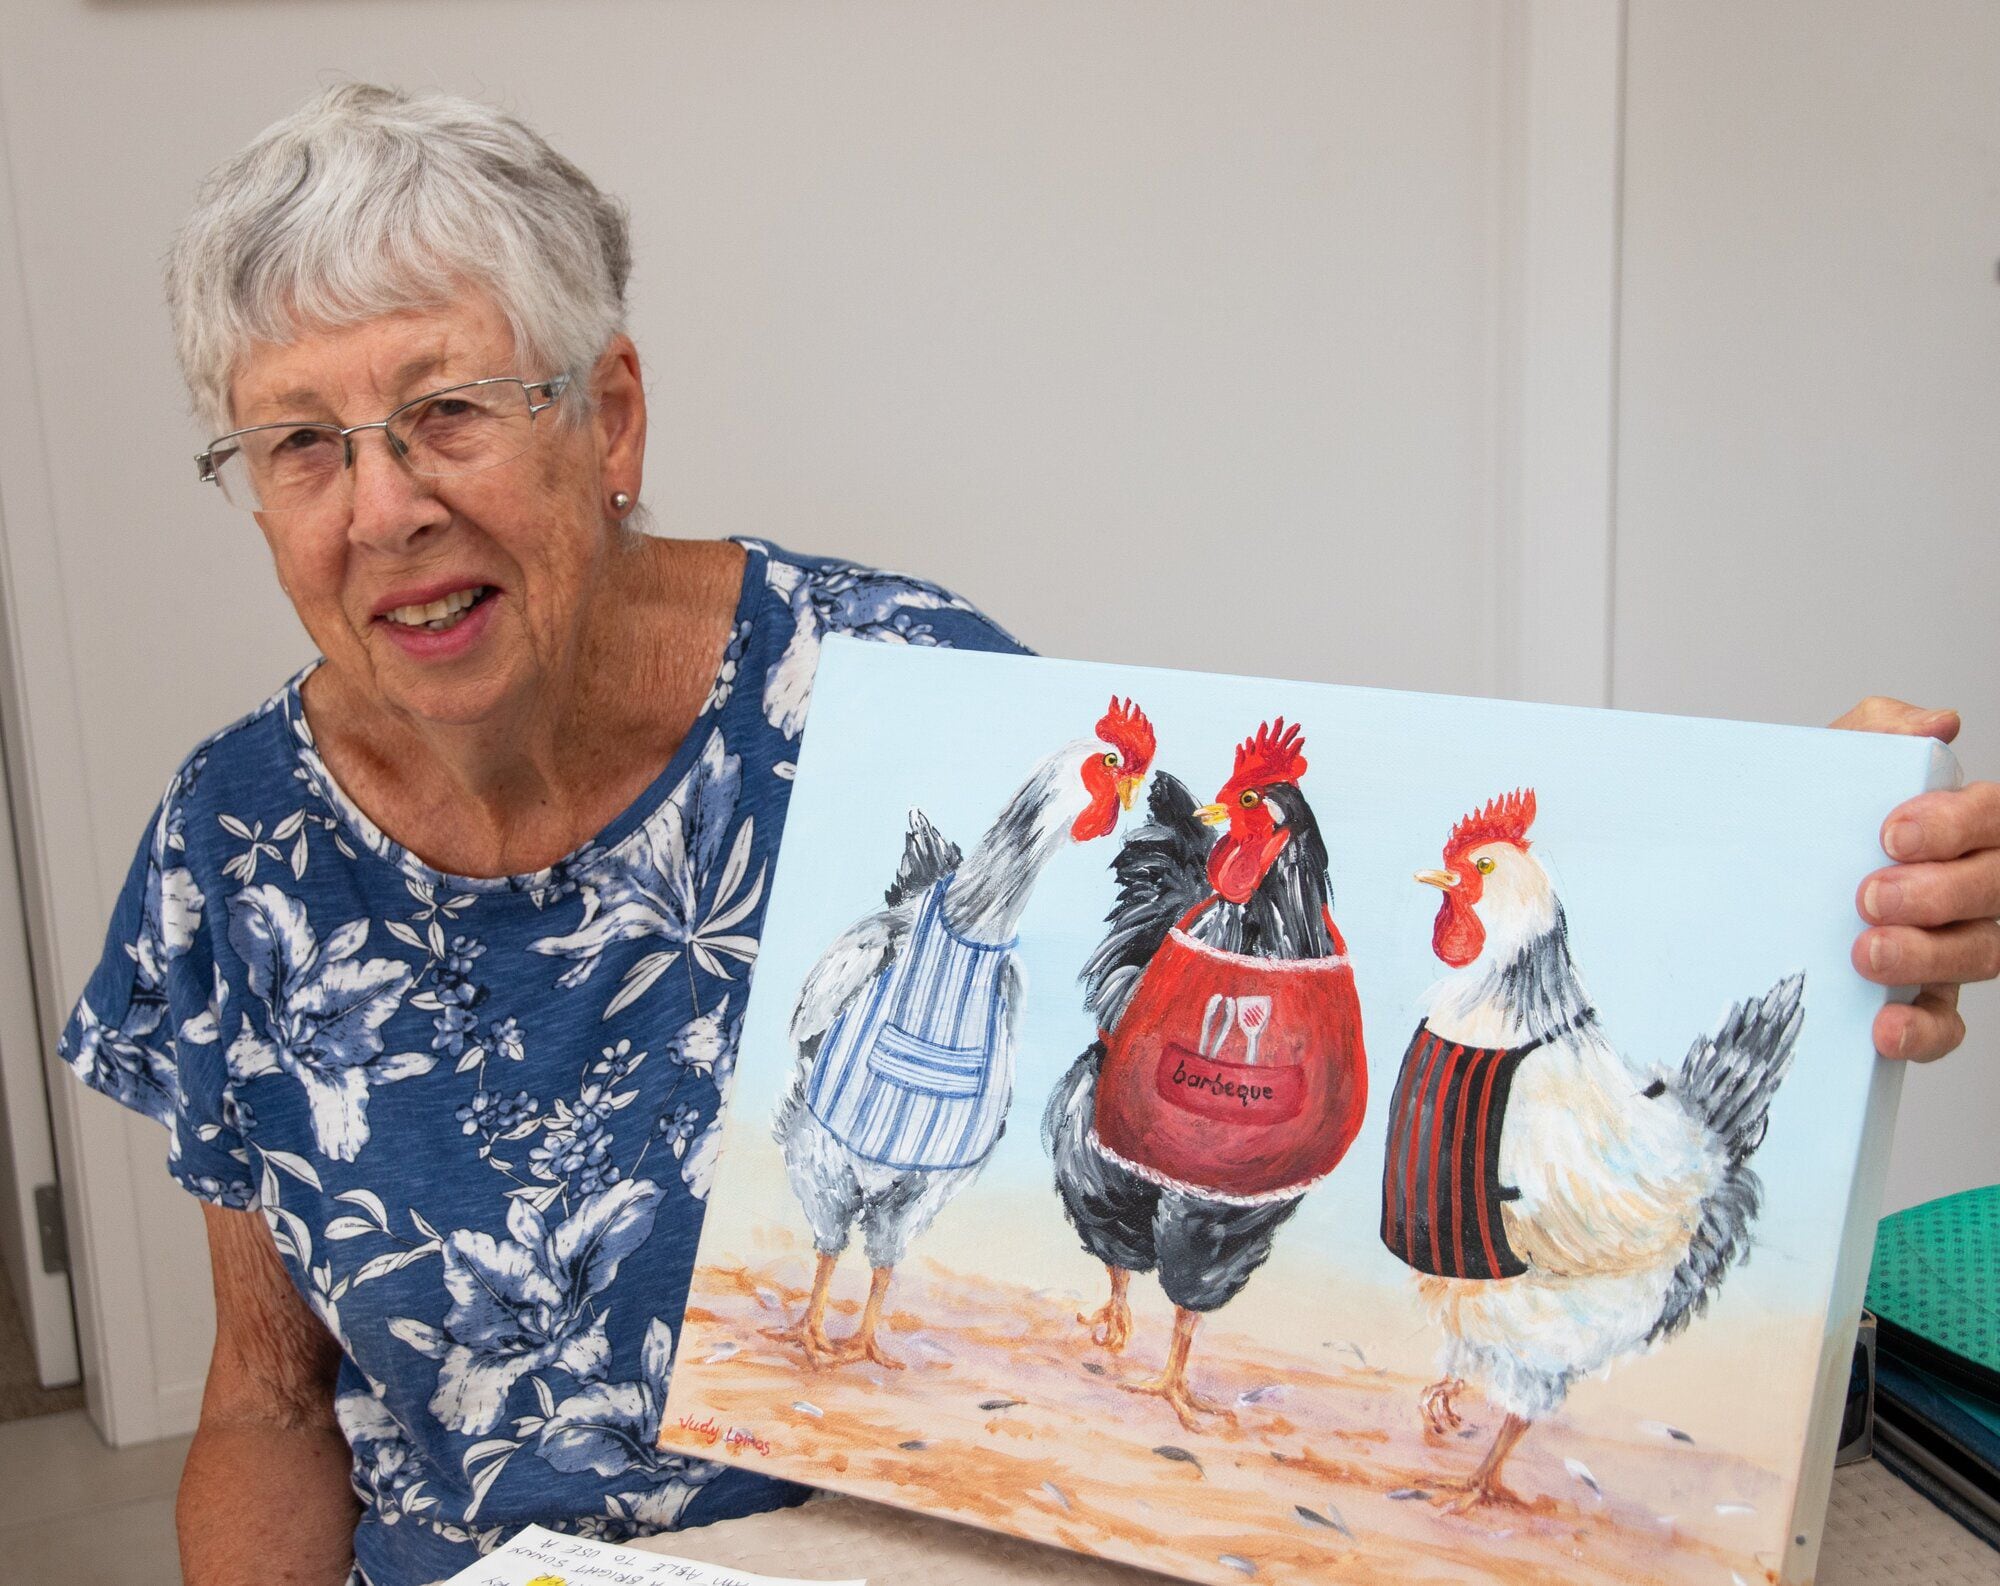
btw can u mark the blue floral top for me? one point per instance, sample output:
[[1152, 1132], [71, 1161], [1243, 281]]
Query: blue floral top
[[479, 1115]]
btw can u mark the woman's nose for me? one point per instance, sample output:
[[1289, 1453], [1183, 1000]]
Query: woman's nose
[[389, 505]]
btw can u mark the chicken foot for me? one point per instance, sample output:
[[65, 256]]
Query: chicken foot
[[1111, 1323], [1484, 1484], [1440, 1413], [809, 1333], [861, 1344], [1172, 1384]]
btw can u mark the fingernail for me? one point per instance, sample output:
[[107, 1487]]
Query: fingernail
[[1903, 839], [1881, 955], [1882, 897]]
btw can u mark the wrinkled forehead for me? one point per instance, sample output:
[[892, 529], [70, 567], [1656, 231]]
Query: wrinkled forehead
[[356, 373]]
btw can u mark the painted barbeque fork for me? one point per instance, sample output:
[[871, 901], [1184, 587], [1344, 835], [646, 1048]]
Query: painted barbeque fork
[[1228, 1076], [905, 1028], [1561, 1206]]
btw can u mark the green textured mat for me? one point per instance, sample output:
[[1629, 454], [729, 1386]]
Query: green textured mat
[[1934, 1286]]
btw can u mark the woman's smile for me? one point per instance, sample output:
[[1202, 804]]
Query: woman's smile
[[439, 627]]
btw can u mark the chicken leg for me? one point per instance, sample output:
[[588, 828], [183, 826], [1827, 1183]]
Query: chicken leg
[[1172, 1384], [809, 1333], [1111, 1323], [1484, 1484], [861, 1344], [1440, 1412]]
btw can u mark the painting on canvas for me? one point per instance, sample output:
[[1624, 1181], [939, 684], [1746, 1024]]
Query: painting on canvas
[[1257, 1129]]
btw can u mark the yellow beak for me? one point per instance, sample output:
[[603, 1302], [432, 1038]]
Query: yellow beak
[[1128, 790], [1212, 814], [1437, 878]]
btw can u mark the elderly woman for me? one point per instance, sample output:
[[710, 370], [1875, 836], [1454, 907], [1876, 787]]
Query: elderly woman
[[436, 959], [433, 964]]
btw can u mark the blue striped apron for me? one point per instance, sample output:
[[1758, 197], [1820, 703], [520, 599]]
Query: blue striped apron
[[912, 1074]]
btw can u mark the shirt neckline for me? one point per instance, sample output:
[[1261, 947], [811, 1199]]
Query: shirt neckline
[[555, 878]]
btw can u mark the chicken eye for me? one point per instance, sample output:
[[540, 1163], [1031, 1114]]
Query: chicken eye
[[1483, 865], [1250, 798], [1111, 759]]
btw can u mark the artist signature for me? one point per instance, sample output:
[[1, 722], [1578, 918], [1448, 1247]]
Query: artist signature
[[734, 1438]]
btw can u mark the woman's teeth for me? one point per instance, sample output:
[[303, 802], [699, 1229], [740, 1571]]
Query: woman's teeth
[[439, 615]]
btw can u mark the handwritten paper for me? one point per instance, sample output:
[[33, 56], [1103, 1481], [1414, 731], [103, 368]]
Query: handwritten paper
[[544, 1558]]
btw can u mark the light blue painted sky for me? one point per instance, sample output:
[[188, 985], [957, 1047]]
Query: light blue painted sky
[[1698, 861]]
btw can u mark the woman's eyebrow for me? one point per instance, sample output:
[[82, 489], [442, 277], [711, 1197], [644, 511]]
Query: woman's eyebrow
[[299, 400]]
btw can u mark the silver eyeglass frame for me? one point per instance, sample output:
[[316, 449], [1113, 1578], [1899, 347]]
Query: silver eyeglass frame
[[205, 459]]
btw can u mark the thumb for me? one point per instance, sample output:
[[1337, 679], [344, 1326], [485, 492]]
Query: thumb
[[1878, 713]]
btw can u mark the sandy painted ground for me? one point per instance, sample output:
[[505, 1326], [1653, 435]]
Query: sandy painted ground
[[1007, 1416]]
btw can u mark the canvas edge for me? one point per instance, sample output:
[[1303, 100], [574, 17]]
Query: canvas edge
[[1850, 1277]]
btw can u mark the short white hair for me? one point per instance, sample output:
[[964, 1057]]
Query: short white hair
[[367, 201]]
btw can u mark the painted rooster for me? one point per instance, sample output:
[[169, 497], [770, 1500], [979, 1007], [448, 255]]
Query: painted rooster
[[1228, 1075], [1563, 1205], [905, 1027]]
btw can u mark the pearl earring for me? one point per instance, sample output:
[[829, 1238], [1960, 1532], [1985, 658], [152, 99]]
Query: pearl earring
[[620, 501]]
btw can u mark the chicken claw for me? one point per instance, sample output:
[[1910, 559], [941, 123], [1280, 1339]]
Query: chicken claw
[[1463, 1493], [809, 1333], [1185, 1402], [1172, 1383], [861, 1346], [1111, 1323], [1440, 1414]]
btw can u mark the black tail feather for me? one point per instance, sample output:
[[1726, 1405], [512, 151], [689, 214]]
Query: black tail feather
[[1727, 1082]]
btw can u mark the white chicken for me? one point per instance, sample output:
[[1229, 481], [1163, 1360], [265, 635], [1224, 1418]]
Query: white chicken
[[905, 1027], [1562, 1205]]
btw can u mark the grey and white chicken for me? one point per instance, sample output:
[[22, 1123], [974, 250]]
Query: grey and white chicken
[[905, 1028]]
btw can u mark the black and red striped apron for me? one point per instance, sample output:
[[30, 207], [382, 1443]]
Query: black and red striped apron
[[1441, 1189]]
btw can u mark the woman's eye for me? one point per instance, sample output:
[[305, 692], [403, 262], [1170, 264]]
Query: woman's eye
[[301, 441], [1483, 866], [1249, 799]]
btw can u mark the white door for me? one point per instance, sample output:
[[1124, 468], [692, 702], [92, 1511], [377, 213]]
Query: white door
[[30, 1247]]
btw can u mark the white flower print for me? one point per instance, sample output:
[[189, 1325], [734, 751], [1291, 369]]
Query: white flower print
[[652, 884], [840, 598], [523, 1303], [609, 1429], [325, 1009]]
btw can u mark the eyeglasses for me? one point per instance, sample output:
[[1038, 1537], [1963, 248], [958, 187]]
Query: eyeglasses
[[462, 429]]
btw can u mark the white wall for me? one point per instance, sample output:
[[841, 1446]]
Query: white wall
[[1262, 337], [1069, 306], [1807, 469]]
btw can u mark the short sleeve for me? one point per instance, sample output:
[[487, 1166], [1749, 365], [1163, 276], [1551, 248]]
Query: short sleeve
[[146, 1030], [961, 628]]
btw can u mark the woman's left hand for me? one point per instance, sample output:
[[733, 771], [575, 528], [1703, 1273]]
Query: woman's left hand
[[1931, 915]]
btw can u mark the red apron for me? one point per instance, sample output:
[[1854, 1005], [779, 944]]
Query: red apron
[[1234, 1078]]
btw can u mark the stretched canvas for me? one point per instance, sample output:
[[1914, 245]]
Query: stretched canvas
[[1269, 1131]]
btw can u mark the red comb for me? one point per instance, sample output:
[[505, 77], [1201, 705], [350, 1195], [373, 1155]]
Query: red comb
[[1274, 753], [1125, 728], [1505, 819]]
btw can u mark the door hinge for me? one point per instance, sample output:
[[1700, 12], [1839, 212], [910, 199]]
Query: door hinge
[[50, 1225]]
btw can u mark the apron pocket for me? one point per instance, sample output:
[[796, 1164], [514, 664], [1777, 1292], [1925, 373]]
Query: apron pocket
[[928, 1066]]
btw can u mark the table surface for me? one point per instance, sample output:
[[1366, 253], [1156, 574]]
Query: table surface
[[1878, 1533]]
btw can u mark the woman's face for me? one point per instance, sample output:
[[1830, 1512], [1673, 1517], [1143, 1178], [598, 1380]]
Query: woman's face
[[525, 541]]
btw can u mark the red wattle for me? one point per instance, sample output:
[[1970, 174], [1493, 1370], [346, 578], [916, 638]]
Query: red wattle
[[1457, 937], [1098, 820], [1238, 864]]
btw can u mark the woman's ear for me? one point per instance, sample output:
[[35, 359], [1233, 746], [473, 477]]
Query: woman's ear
[[618, 415]]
